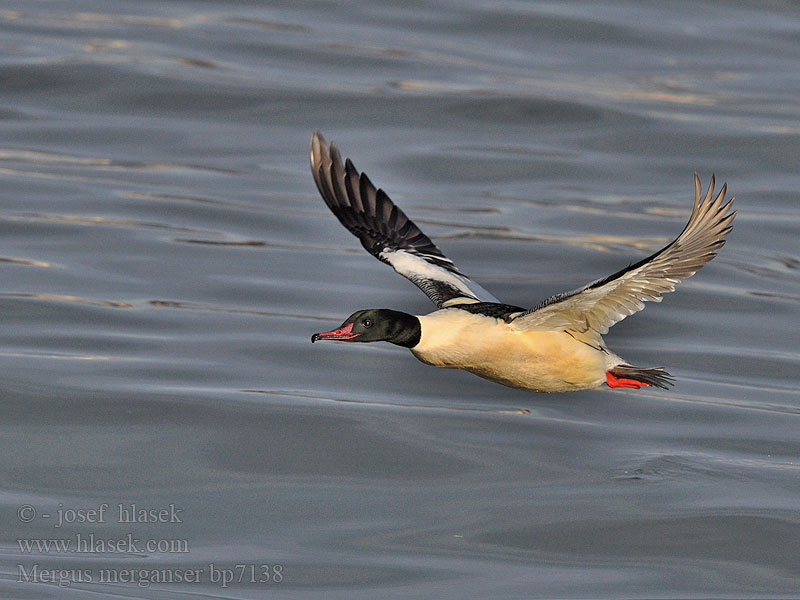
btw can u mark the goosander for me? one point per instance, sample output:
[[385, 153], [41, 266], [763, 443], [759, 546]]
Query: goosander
[[557, 345]]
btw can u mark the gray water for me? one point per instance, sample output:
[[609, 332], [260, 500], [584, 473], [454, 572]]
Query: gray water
[[165, 257]]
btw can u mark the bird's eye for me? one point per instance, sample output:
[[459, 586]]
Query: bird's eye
[[367, 323]]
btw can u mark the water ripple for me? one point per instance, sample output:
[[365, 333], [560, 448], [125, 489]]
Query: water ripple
[[402, 405]]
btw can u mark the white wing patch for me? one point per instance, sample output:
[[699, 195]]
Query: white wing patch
[[434, 280]]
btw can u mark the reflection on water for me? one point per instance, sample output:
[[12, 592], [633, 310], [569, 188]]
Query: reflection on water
[[165, 258], [62, 298]]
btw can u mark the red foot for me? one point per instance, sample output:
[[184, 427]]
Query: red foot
[[618, 382]]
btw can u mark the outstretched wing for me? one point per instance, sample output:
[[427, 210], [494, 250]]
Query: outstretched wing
[[386, 232], [591, 310]]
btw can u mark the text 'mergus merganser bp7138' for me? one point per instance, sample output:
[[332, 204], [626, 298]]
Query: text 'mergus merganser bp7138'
[[556, 346]]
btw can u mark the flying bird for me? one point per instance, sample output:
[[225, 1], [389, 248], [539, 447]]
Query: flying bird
[[556, 346]]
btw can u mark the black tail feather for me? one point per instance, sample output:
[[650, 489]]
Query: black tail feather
[[657, 377]]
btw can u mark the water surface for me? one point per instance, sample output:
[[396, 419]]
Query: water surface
[[165, 258]]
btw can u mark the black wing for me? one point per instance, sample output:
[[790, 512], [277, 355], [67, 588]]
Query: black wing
[[385, 231]]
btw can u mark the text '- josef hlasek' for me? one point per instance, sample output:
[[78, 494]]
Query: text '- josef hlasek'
[[121, 513]]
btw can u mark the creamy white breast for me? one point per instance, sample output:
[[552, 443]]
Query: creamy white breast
[[491, 348]]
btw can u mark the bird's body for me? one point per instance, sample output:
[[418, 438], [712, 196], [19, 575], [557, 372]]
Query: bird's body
[[556, 346], [542, 361]]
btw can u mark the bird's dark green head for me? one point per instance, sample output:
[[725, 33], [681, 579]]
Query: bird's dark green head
[[376, 325]]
